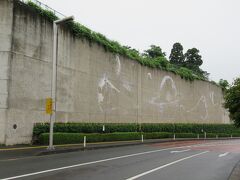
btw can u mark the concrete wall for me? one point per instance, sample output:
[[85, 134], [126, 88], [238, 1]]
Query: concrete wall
[[93, 85], [6, 19]]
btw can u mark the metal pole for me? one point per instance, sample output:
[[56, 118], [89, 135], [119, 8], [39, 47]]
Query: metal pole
[[54, 83], [54, 76], [142, 138]]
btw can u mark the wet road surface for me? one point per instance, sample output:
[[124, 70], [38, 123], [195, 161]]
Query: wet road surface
[[184, 160]]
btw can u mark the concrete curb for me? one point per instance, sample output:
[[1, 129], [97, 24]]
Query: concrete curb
[[101, 146], [235, 174], [119, 144]]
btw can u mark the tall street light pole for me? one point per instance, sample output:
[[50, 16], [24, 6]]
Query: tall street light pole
[[54, 75]]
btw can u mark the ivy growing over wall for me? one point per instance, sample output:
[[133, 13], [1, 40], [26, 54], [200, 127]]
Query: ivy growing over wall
[[83, 32]]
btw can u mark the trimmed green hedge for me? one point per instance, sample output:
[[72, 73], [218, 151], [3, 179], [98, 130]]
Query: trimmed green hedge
[[40, 128], [76, 138], [185, 135], [72, 138], [157, 135], [85, 128], [235, 135]]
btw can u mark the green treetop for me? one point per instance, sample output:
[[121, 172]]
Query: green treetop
[[232, 101], [192, 59], [154, 52], [176, 56]]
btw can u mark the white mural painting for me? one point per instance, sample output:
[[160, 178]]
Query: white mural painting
[[149, 75], [168, 94], [118, 65], [171, 96], [104, 84], [165, 79], [126, 85], [201, 101], [212, 98]]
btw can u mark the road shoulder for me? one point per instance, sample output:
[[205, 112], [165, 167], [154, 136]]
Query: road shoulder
[[235, 175]]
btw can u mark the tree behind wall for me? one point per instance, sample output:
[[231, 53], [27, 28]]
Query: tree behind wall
[[224, 84], [176, 57], [232, 101], [154, 52], [193, 60]]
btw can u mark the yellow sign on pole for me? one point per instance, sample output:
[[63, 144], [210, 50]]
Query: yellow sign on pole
[[49, 103]]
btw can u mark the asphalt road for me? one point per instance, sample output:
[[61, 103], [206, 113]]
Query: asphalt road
[[189, 160]]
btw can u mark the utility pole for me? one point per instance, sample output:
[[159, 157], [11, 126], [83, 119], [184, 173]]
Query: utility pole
[[54, 75]]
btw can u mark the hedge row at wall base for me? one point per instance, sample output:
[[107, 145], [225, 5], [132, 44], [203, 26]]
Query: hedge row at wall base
[[131, 127], [76, 138]]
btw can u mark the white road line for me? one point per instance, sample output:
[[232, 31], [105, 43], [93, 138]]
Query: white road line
[[166, 165], [224, 154], [92, 162], [180, 151]]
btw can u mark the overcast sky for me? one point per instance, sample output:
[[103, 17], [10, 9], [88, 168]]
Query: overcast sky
[[212, 26]]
